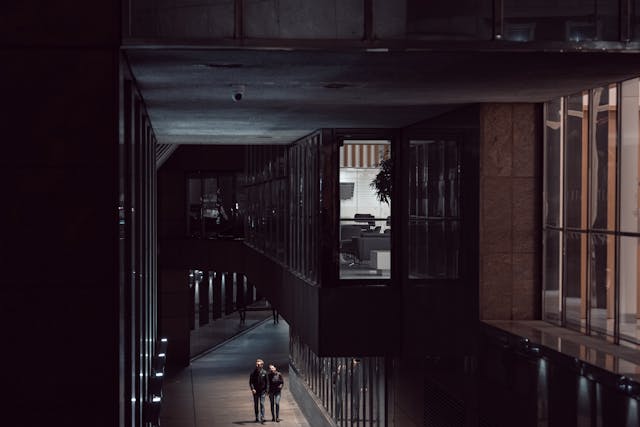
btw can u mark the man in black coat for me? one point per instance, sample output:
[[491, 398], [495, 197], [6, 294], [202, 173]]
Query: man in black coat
[[258, 384]]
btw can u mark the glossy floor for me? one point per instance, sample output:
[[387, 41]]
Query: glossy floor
[[214, 390]]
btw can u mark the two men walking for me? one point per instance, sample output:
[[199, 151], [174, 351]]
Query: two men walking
[[262, 383]]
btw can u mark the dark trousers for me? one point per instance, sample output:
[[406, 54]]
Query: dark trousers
[[258, 405]]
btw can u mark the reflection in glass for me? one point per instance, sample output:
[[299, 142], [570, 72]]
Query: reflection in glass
[[576, 163], [601, 210], [365, 209], [434, 217], [602, 283], [213, 206], [603, 158], [552, 276], [553, 162], [630, 288], [630, 157], [575, 300], [267, 204]]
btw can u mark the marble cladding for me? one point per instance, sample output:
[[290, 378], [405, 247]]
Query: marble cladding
[[509, 230]]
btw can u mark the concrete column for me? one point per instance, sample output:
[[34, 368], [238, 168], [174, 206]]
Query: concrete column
[[510, 195]]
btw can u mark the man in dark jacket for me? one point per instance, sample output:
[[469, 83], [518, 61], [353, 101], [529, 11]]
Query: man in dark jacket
[[258, 384], [276, 382]]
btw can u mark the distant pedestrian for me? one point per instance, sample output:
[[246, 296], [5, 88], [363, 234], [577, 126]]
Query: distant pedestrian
[[276, 316], [258, 384], [276, 382]]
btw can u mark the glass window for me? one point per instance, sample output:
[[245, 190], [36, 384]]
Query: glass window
[[552, 276], [604, 130], [601, 176], [434, 216], [630, 157], [365, 209], [635, 20], [553, 162], [576, 160], [531, 20], [630, 288], [602, 281], [575, 301], [213, 206]]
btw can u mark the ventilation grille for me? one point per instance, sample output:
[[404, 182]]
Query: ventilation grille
[[440, 408]]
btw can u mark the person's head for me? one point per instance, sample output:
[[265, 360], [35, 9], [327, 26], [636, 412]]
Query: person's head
[[272, 368], [259, 363]]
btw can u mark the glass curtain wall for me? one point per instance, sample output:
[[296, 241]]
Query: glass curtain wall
[[283, 196], [591, 227], [569, 20], [351, 389], [629, 211], [304, 207], [266, 193], [137, 247], [365, 174], [434, 210], [552, 210]]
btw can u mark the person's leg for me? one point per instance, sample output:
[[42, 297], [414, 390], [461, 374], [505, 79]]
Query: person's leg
[[262, 407], [271, 403], [256, 398], [276, 398]]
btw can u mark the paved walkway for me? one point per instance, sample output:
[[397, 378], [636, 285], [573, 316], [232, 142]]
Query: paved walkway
[[214, 390]]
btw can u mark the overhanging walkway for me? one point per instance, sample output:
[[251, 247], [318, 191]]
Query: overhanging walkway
[[214, 390]]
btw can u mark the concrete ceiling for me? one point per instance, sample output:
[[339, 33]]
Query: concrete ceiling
[[288, 94]]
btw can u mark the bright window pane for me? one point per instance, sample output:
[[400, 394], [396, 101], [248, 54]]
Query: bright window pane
[[630, 288], [365, 209], [630, 157]]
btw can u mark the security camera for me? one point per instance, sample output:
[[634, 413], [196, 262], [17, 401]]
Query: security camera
[[237, 93]]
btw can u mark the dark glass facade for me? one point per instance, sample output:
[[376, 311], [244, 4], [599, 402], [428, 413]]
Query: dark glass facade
[[434, 211], [283, 195], [140, 361]]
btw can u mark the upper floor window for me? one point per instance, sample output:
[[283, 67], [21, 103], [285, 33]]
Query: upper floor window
[[591, 226], [213, 206], [365, 209], [434, 209]]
